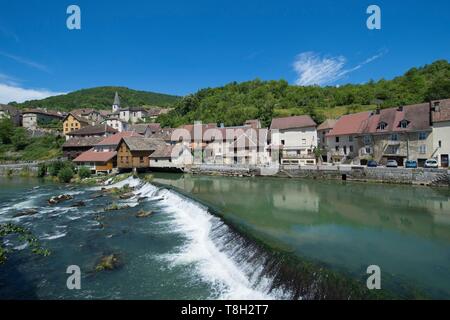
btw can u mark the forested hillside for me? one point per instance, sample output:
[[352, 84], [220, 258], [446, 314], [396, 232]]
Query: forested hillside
[[101, 98], [233, 103]]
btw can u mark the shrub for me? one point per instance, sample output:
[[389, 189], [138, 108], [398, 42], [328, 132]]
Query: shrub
[[65, 174], [42, 170], [84, 172]]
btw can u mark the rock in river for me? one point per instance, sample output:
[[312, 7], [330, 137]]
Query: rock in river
[[78, 204], [25, 212], [144, 214], [109, 262], [60, 198]]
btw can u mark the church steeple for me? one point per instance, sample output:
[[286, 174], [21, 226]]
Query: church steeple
[[116, 103]]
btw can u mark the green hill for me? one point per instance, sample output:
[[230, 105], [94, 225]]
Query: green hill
[[101, 98], [234, 103]]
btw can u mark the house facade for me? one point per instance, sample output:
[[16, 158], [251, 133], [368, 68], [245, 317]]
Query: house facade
[[343, 144], [133, 152], [100, 130], [11, 113], [400, 134], [296, 139], [35, 118], [440, 113], [102, 157], [322, 130], [73, 122], [170, 157]]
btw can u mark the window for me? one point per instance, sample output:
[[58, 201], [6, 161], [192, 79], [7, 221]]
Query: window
[[368, 150], [366, 139], [282, 142], [303, 141], [404, 124], [337, 148], [382, 126], [141, 159], [422, 136], [337, 139], [351, 149], [440, 144], [350, 138], [345, 150], [423, 149], [394, 137]]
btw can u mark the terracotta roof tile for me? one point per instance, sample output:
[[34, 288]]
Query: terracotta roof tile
[[92, 156], [292, 122]]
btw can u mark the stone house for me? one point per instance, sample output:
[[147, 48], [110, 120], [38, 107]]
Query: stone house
[[400, 134], [35, 118], [12, 113], [295, 138]]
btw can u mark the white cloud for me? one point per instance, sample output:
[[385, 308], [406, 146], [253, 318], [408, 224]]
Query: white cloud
[[314, 69], [10, 93], [25, 61]]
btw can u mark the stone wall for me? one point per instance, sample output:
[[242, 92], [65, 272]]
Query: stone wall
[[419, 176], [17, 169]]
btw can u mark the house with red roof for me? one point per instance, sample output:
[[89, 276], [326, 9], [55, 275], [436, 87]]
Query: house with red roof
[[342, 142], [102, 157], [295, 139], [400, 134]]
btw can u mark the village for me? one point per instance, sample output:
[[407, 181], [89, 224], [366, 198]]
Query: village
[[130, 139]]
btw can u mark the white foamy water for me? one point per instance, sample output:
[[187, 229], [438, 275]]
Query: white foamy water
[[213, 262], [131, 181]]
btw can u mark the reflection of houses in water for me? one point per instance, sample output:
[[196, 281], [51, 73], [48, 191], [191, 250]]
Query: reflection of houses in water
[[300, 198]]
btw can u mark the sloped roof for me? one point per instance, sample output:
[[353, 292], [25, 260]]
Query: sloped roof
[[82, 142], [93, 130], [350, 124], [92, 156], [116, 99], [442, 111], [162, 152], [9, 109], [292, 122], [138, 128], [115, 139], [327, 124], [77, 116], [49, 113], [142, 144], [417, 115]]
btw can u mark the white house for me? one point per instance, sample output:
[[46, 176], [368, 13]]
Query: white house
[[441, 131], [116, 123], [171, 157], [295, 138]]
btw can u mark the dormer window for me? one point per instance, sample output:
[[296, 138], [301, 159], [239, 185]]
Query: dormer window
[[404, 124], [382, 126]]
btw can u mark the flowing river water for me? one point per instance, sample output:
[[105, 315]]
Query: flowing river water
[[230, 238]]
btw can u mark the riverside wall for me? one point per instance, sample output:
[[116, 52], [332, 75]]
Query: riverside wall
[[419, 176]]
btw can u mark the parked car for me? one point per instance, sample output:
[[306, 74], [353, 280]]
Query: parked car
[[431, 163], [410, 164], [391, 164], [372, 164]]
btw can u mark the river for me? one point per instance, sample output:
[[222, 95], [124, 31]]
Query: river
[[231, 238]]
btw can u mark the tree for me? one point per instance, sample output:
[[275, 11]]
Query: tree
[[6, 130], [20, 139], [65, 174], [84, 172]]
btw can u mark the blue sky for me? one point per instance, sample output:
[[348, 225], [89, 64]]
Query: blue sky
[[181, 46]]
